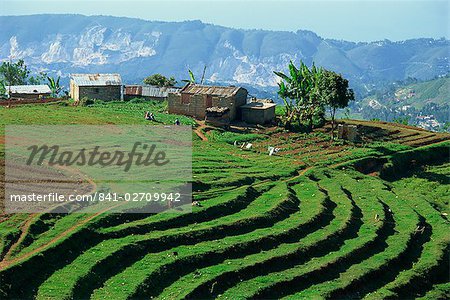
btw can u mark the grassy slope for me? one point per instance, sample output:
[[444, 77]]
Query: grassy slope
[[433, 91], [306, 224]]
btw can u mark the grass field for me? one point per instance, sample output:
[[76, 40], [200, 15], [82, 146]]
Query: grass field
[[322, 219]]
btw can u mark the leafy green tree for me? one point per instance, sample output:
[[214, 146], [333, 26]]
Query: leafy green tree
[[14, 73], [299, 91], [160, 80], [402, 120], [54, 86], [38, 78], [445, 127], [334, 93], [347, 113], [2, 88]]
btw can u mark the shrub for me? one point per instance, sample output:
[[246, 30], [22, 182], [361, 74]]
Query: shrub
[[85, 101], [138, 100]]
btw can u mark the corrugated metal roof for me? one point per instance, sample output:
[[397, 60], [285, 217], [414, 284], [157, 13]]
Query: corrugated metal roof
[[96, 79], [149, 91], [157, 92], [219, 91], [28, 89]]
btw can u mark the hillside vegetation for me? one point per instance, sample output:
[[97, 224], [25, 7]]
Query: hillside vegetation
[[322, 219], [416, 94], [423, 103]]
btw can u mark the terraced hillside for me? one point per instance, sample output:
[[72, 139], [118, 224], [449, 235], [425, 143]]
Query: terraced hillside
[[321, 219]]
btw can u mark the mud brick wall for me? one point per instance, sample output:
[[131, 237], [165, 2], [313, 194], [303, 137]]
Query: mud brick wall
[[106, 93], [349, 132], [218, 119], [258, 116], [36, 96], [196, 107]]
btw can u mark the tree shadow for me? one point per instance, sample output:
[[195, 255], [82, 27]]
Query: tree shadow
[[433, 177]]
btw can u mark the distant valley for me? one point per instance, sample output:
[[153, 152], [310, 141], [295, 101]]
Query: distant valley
[[424, 104]]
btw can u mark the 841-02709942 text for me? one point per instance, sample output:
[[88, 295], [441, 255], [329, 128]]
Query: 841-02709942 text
[[97, 197]]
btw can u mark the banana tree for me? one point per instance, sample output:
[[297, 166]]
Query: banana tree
[[192, 77], [298, 91], [54, 86]]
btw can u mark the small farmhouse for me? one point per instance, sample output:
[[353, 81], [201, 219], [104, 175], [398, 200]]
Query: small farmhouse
[[258, 112], [148, 92], [96, 86], [29, 92], [194, 99]]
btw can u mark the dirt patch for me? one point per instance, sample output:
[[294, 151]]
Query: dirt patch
[[370, 166], [428, 140], [2, 189], [198, 131]]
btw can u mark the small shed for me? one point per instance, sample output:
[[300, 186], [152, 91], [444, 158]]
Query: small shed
[[194, 99], [148, 92], [349, 132], [218, 116], [30, 92], [96, 86], [258, 112], [132, 91]]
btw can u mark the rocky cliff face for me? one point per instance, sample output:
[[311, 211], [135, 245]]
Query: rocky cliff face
[[136, 48]]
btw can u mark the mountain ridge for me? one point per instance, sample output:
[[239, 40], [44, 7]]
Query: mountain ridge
[[75, 43]]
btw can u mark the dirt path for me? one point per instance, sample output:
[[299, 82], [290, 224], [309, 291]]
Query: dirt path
[[7, 261], [198, 130], [23, 233]]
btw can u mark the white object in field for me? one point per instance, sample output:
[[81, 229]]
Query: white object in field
[[249, 146], [273, 150], [235, 143]]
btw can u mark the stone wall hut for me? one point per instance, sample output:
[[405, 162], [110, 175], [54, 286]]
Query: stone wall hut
[[29, 92], [105, 87], [259, 111], [218, 116], [349, 132], [194, 99], [148, 92]]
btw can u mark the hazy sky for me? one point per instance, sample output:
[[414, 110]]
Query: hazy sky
[[354, 20]]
